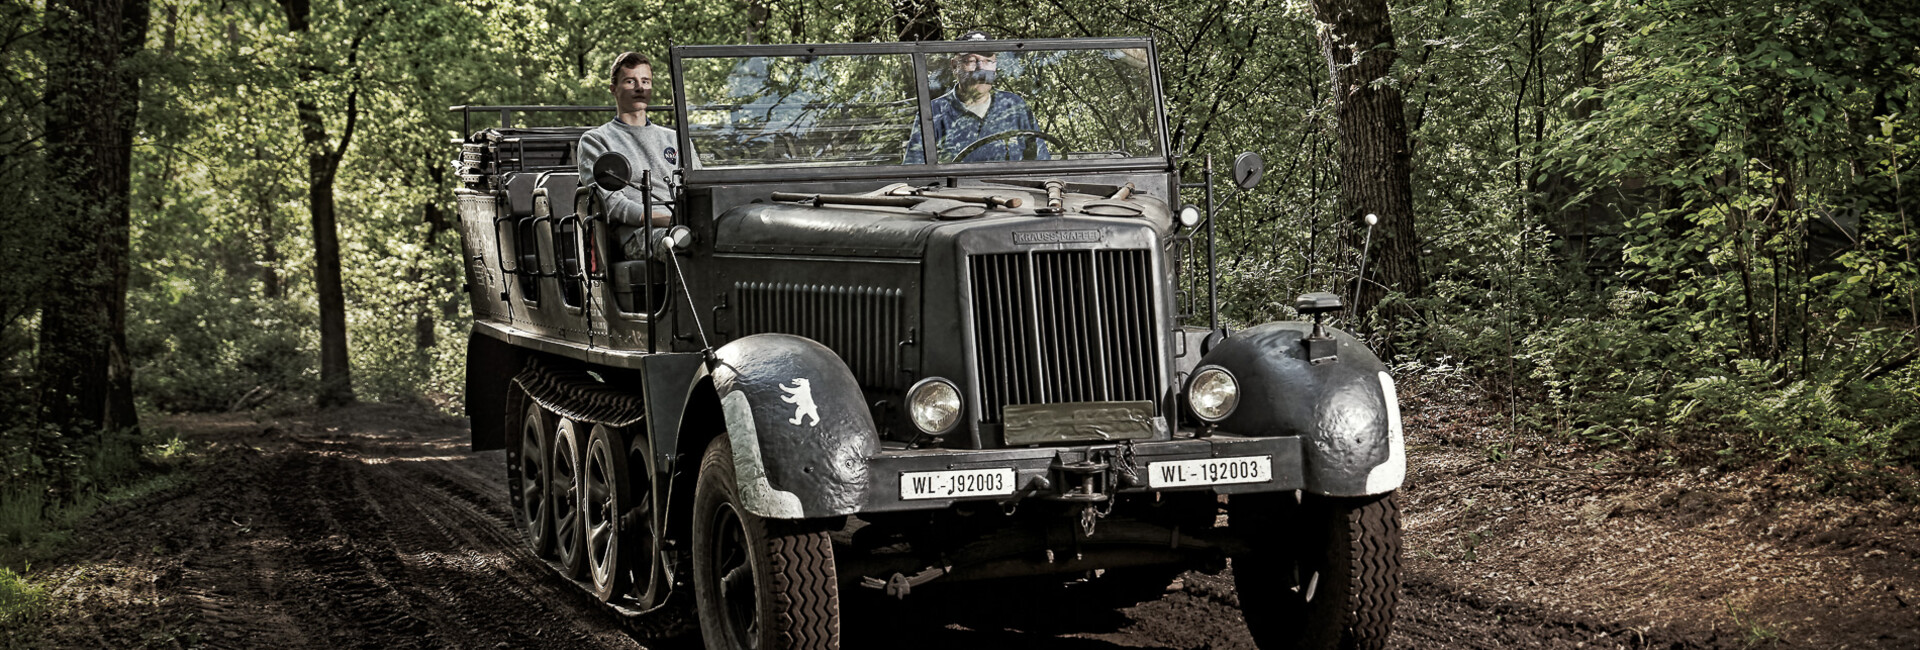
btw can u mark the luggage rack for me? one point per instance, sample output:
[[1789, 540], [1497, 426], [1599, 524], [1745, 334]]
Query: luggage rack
[[506, 112], [490, 153]]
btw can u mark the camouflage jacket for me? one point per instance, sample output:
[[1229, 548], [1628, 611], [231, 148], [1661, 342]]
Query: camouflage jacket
[[954, 127]]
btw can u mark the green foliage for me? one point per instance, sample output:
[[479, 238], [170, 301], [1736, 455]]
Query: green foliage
[[212, 344], [19, 598], [1669, 224], [1699, 238], [44, 493]]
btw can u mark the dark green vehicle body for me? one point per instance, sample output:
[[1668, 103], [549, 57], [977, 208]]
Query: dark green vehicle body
[[794, 321]]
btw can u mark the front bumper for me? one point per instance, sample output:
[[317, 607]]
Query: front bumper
[[1080, 472]]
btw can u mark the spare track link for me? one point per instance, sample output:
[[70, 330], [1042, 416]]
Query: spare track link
[[579, 396]]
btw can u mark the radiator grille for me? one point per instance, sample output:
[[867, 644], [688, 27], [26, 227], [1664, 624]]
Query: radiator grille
[[861, 324], [1063, 326]]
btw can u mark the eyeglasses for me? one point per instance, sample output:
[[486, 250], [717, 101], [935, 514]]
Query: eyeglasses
[[975, 61]]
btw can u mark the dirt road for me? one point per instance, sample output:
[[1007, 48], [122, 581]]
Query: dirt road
[[374, 527]]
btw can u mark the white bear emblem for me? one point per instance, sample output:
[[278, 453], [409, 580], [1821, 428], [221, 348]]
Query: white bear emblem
[[801, 395]]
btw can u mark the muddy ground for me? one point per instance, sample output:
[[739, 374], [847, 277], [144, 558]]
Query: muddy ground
[[373, 527]]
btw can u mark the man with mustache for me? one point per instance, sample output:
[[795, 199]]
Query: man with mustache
[[647, 146], [973, 109]]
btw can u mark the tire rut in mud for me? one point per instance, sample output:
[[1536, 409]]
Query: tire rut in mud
[[332, 541], [399, 552], [371, 528]]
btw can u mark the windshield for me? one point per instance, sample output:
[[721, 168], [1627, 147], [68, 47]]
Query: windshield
[[864, 109]]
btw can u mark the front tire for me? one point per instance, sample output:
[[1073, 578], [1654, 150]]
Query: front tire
[[763, 584], [1328, 572]]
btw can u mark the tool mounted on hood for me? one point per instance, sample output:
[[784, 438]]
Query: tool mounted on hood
[[898, 197]]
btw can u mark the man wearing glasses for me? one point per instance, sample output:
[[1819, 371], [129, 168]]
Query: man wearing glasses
[[974, 111]]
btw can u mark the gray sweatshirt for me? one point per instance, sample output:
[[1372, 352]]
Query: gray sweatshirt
[[646, 147]]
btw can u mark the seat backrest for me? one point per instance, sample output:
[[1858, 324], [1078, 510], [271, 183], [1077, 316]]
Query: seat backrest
[[519, 191], [560, 187]]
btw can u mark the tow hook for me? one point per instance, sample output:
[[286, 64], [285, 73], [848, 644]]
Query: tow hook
[[1093, 480], [901, 584], [1035, 486]]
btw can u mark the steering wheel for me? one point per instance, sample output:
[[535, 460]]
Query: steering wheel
[[1030, 150]]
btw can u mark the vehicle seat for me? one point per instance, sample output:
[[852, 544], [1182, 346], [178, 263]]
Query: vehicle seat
[[518, 191], [554, 204]]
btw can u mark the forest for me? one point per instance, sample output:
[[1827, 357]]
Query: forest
[[1679, 227]]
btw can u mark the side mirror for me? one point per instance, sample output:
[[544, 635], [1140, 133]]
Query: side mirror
[[1247, 170], [610, 171]]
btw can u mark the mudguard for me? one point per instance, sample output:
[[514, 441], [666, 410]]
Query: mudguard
[[490, 365], [1345, 409], [799, 424]]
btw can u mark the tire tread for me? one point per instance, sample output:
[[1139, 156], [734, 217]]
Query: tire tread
[[805, 586], [1358, 540], [1373, 530]]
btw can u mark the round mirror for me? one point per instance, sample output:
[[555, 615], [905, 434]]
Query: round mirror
[[1247, 170], [610, 171]]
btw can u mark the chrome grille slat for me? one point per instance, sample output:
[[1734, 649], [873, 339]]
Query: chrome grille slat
[[1062, 326]]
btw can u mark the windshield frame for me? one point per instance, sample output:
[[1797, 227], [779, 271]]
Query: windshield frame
[[920, 52]]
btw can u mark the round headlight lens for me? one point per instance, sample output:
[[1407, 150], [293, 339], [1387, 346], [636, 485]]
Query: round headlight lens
[[1213, 393], [1189, 216], [934, 405]]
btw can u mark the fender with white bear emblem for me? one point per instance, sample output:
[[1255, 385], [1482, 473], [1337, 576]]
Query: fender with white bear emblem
[[801, 433]]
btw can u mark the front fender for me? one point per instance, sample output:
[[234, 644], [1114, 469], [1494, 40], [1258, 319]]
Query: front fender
[[1346, 410], [799, 424]]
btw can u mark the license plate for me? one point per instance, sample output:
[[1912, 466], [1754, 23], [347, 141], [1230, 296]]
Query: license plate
[[1210, 471], [956, 484]]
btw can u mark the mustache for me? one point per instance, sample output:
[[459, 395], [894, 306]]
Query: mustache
[[980, 77]]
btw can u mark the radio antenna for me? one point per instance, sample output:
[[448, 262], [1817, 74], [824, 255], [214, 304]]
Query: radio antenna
[[1360, 280]]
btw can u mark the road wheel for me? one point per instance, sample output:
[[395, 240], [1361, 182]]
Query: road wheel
[[527, 477], [612, 543], [1327, 574], [564, 489], [762, 584]]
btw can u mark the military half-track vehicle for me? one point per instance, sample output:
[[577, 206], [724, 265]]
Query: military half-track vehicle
[[838, 370]]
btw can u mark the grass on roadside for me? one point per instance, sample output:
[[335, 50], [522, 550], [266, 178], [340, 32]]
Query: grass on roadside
[[35, 523], [19, 599]]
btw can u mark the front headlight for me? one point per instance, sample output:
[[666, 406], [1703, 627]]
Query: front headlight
[[1189, 216], [1212, 394], [934, 405]]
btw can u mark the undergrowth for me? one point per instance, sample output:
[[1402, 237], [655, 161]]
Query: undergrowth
[[46, 495], [1640, 371], [19, 598]]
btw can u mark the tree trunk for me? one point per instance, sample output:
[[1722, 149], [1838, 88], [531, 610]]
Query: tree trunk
[[424, 335], [758, 13], [336, 381], [85, 379], [917, 20], [269, 254], [323, 162], [1580, 225], [1356, 36]]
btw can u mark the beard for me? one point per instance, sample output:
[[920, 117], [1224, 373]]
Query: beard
[[976, 84]]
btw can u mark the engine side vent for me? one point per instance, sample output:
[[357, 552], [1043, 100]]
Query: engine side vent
[[1063, 326], [861, 324]]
